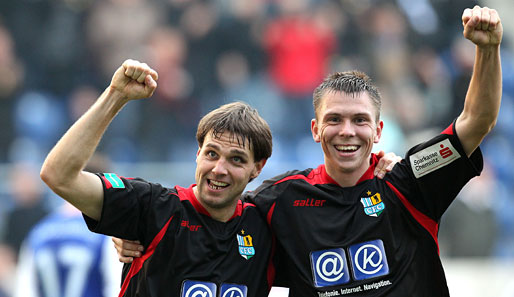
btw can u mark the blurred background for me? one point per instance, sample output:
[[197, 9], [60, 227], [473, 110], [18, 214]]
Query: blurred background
[[57, 56]]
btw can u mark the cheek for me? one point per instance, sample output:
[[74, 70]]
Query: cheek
[[369, 132], [325, 131]]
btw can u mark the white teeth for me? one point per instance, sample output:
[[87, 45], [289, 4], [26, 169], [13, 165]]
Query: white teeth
[[347, 147], [217, 185]]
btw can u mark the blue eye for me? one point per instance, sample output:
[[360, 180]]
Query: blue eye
[[361, 120]]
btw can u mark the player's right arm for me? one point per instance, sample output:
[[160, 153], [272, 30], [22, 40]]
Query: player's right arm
[[63, 168]]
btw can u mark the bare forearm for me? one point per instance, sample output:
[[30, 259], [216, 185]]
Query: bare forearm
[[483, 27], [484, 94], [77, 145], [62, 169]]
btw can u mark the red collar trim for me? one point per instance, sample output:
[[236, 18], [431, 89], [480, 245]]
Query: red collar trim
[[189, 195], [324, 178], [370, 173]]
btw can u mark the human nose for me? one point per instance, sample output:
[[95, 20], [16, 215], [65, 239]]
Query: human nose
[[220, 167], [347, 129]]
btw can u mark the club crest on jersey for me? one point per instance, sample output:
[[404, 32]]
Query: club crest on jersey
[[245, 243], [373, 204]]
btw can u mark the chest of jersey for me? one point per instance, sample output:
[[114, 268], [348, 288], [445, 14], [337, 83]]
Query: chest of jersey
[[201, 256], [352, 239]]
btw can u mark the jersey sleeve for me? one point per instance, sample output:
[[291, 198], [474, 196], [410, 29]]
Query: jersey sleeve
[[130, 208], [433, 173]]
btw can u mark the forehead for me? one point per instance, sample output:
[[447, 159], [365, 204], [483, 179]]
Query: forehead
[[227, 141], [343, 103]]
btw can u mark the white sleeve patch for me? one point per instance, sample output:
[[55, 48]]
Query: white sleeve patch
[[433, 157]]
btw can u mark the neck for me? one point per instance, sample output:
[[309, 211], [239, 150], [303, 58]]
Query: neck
[[347, 178], [222, 214]]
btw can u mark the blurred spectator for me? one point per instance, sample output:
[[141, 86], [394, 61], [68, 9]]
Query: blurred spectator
[[117, 30], [55, 29], [28, 195], [172, 106], [60, 257], [299, 48], [200, 25], [10, 83], [6, 270], [433, 81], [38, 117], [470, 227]]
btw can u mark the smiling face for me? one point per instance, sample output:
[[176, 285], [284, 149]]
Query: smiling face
[[224, 167], [347, 127]]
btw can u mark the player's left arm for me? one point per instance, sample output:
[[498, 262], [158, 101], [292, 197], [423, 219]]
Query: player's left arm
[[483, 27]]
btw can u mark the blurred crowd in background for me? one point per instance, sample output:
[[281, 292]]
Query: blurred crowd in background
[[57, 56]]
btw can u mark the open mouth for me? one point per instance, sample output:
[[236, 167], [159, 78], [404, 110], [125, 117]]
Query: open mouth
[[216, 185], [347, 148]]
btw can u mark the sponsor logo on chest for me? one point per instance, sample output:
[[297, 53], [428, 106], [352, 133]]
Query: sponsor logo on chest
[[192, 288], [359, 262], [309, 202]]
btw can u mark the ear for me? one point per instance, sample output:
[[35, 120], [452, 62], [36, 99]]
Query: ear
[[315, 131], [380, 126], [258, 168], [198, 153]]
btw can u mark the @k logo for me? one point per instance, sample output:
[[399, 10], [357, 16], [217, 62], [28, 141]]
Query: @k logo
[[233, 290], [198, 289], [245, 243], [373, 205], [329, 267], [368, 259]]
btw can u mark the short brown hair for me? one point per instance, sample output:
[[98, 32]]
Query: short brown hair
[[350, 82], [243, 122]]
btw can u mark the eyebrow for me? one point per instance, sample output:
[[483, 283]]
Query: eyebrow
[[232, 151], [366, 114]]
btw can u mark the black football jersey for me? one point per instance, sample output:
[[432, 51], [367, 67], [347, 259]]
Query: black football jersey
[[187, 253], [377, 238]]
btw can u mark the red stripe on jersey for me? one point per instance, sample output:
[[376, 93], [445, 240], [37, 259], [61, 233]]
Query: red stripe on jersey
[[108, 184], [138, 262], [189, 195], [449, 130], [430, 225], [370, 172], [270, 214], [271, 267], [239, 209], [320, 176]]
